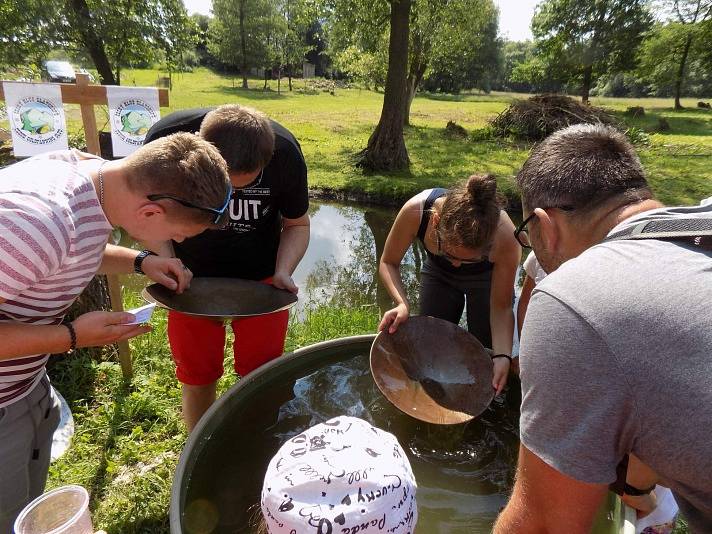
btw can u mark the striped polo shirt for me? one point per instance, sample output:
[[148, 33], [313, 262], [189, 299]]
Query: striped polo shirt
[[52, 238]]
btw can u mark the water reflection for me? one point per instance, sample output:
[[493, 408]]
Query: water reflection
[[340, 267]]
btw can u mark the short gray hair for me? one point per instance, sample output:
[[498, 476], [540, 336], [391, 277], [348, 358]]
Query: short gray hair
[[581, 167]]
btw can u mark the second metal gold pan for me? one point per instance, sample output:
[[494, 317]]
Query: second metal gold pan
[[433, 370]]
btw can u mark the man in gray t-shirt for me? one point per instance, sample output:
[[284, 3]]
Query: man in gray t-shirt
[[616, 352]]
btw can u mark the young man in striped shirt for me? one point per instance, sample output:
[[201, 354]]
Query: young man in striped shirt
[[56, 214]]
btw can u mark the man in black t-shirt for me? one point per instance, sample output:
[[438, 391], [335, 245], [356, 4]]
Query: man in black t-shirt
[[265, 238]]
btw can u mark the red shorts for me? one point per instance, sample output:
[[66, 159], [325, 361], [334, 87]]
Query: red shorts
[[198, 344]]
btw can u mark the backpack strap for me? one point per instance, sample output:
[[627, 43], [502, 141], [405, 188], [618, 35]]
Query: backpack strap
[[696, 232]]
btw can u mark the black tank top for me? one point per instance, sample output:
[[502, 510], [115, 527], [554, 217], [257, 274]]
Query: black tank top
[[464, 268]]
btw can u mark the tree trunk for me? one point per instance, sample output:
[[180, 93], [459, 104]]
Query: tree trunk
[[415, 76], [289, 77], [680, 75], [265, 86], [92, 42], [243, 45], [386, 150], [279, 80], [586, 84]]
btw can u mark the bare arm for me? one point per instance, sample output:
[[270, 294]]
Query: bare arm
[[547, 501], [293, 243], [117, 260], [164, 268], [523, 304], [92, 329], [506, 256], [399, 239]]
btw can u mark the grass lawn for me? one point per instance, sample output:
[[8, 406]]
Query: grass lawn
[[129, 435]]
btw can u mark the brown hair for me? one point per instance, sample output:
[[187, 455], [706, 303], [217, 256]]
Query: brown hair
[[582, 166], [184, 166], [470, 213], [243, 135]]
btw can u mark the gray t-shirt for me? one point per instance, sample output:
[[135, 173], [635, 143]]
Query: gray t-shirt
[[616, 357]]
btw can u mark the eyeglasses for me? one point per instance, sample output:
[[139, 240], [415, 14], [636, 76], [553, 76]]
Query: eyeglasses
[[521, 235], [220, 214], [450, 258]]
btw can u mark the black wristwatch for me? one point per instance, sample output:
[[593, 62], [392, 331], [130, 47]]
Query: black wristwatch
[[138, 261]]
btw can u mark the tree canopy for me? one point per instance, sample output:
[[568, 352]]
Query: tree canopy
[[579, 40], [112, 34]]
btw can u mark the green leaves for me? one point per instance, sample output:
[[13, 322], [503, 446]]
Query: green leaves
[[579, 40]]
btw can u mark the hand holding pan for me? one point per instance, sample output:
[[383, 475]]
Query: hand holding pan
[[222, 298], [433, 370]]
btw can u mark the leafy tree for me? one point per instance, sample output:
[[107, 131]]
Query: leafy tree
[[298, 16], [24, 37], [512, 54], [316, 40], [674, 59], [239, 33], [358, 36], [112, 33], [201, 25], [579, 40], [684, 41], [367, 68], [465, 49]]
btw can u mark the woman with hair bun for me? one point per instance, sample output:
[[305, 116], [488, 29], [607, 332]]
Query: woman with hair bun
[[472, 259]]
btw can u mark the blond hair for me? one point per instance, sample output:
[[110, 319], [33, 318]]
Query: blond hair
[[243, 135], [184, 166]]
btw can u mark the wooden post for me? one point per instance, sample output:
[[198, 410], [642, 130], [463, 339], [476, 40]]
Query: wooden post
[[91, 134], [87, 96]]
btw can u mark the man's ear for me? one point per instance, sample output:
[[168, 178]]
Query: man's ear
[[436, 217], [548, 229], [149, 210]]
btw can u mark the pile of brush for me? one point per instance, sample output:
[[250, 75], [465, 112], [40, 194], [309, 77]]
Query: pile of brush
[[537, 117]]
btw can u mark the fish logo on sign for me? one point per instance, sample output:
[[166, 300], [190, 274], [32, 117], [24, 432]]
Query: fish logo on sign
[[132, 119], [35, 120]]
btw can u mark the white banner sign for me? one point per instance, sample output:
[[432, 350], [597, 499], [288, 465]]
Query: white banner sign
[[132, 111], [36, 118]]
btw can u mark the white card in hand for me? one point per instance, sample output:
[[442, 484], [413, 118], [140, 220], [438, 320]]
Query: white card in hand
[[142, 314]]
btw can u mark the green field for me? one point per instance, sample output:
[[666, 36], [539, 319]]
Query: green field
[[129, 435], [332, 128]]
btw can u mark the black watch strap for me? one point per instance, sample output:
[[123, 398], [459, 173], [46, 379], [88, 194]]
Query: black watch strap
[[138, 261]]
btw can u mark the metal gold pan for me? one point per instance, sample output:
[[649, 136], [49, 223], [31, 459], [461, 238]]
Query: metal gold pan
[[222, 298], [433, 370]]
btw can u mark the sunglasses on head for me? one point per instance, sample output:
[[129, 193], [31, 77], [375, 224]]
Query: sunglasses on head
[[220, 213]]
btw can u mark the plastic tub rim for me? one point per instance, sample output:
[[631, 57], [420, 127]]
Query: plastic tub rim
[[194, 437]]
